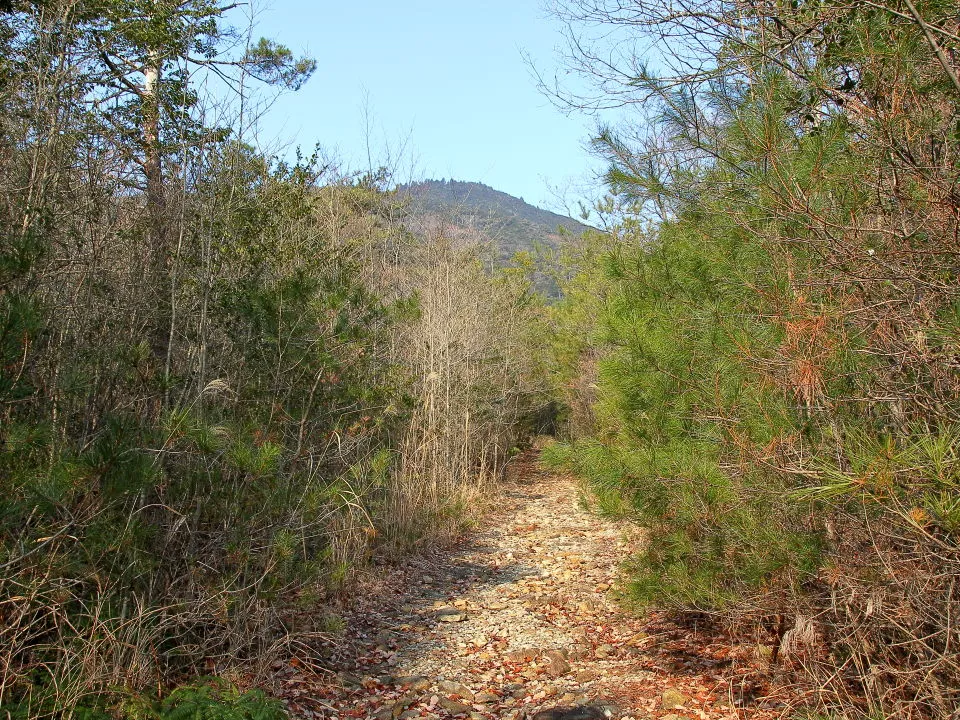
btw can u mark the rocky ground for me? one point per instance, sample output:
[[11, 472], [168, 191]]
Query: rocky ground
[[521, 618]]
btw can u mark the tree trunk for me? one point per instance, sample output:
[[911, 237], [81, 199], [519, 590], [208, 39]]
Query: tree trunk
[[156, 203], [158, 250]]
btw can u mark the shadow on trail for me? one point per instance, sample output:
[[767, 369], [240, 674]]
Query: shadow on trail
[[419, 596]]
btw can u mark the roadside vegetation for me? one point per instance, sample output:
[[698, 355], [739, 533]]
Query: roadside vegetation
[[227, 380], [762, 366]]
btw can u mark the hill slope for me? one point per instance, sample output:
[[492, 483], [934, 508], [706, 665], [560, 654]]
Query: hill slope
[[510, 222]]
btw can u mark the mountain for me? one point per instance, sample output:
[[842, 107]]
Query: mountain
[[474, 209]]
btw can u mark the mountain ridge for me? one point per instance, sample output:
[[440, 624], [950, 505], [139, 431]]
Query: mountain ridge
[[510, 222]]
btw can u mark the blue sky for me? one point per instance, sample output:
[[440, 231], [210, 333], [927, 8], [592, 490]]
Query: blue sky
[[445, 87]]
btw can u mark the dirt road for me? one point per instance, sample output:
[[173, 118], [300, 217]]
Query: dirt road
[[522, 618]]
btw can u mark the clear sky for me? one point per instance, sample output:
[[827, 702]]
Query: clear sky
[[444, 85]]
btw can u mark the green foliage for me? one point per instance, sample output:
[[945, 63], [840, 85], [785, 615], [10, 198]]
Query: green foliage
[[275, 64], [218, 701], [772, 391], [677, 383], [209, 410], [123, 38], [211, 699], [134, 495]]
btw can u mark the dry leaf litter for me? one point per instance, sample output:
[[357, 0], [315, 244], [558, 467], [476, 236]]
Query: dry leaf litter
[[519, 620]]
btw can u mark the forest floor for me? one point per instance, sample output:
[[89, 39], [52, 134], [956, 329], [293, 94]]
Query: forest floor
[[521, 616]]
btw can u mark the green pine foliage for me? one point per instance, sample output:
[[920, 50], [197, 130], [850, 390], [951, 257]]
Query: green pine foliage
[[676, 390], [135, 496], [767, 380], [217, 701]]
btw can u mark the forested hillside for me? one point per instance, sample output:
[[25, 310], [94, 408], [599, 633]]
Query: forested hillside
[[510, 223]]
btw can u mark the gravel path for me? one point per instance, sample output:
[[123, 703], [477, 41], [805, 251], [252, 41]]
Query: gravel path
[[520, 618]]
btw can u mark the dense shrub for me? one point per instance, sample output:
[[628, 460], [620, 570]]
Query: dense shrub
[[776, 393], [212, 390]]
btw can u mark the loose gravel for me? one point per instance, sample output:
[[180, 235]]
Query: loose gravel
[[522, 617]]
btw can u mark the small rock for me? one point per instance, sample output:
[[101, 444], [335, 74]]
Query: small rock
[[455, 688], [609, 709], [522, 655], [450, 615], [552, 714], [417, 683], [580, 712], [673, 699], [402, 703], [603, 651], [557, 663], [454, 707], [486, 697]]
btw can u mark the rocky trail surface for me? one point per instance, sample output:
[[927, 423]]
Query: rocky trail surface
[[520, 618]]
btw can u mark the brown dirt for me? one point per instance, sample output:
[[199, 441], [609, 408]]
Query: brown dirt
[[522, 616]]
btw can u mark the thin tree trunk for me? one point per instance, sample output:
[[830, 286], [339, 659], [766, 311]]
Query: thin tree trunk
[[158, 241]]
